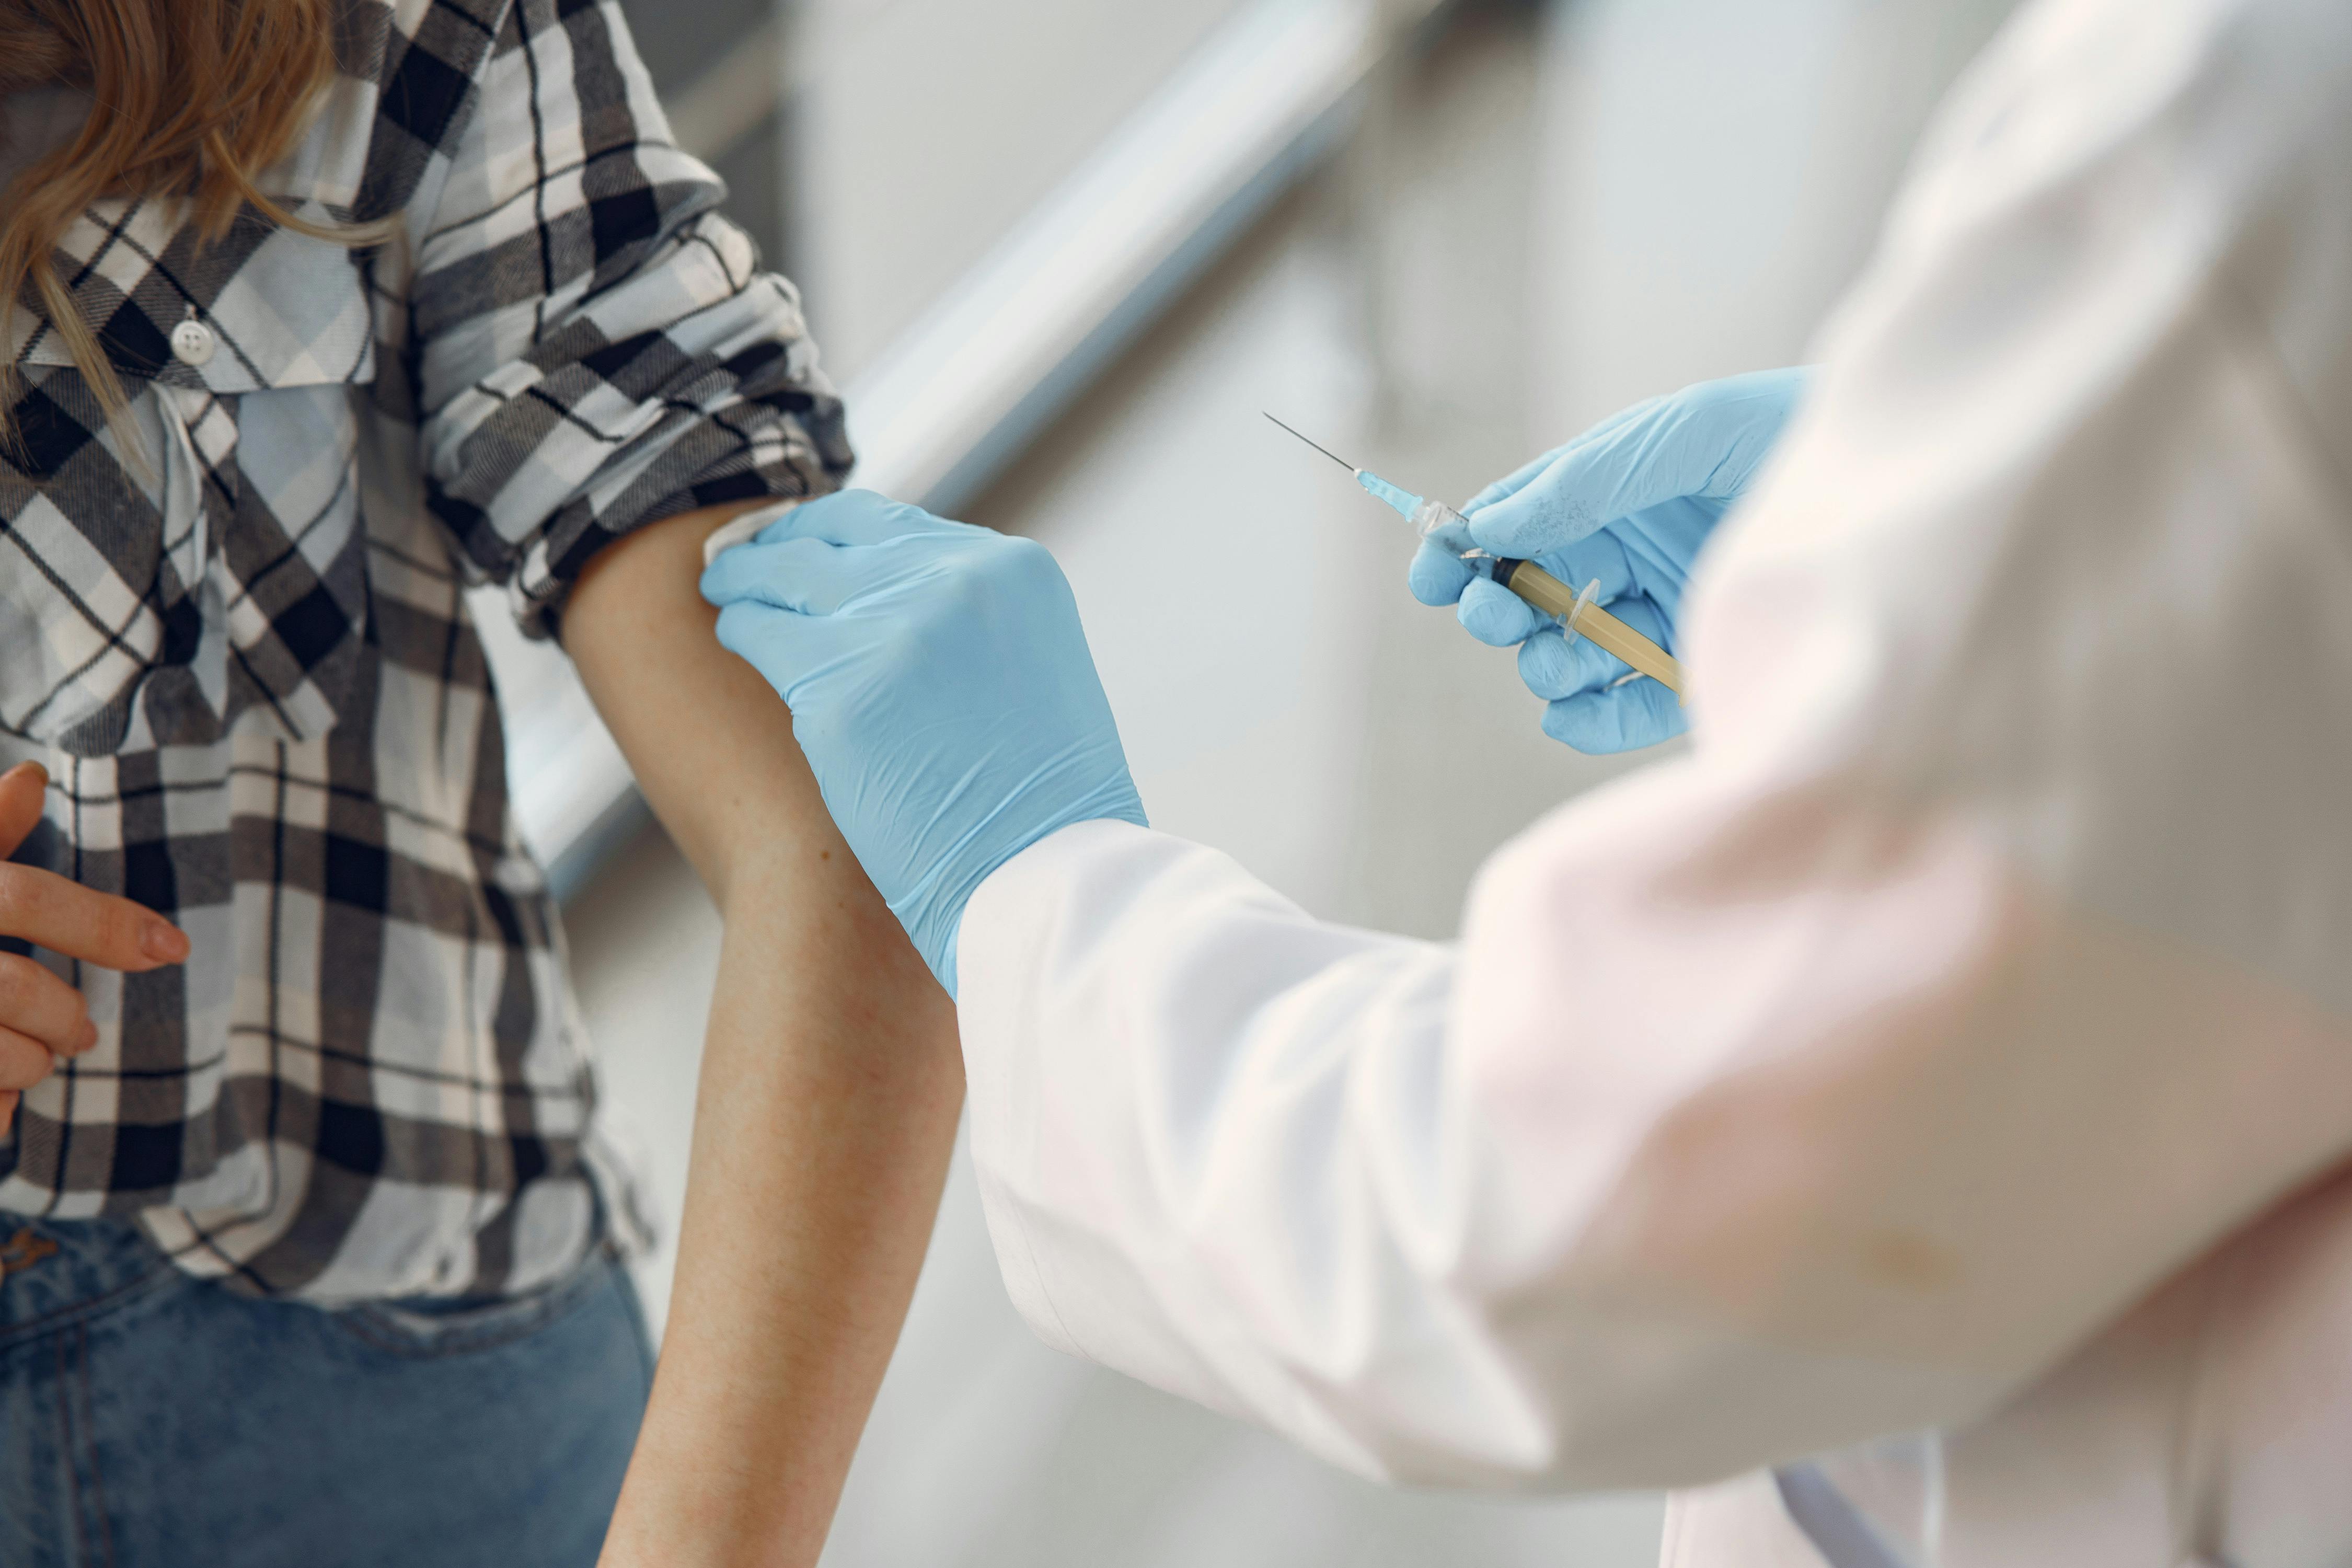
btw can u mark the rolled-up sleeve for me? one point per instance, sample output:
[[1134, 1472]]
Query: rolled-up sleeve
[[594, 346]]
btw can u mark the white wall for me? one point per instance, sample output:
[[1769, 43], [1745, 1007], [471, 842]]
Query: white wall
[[925, 128], [1715, 173]]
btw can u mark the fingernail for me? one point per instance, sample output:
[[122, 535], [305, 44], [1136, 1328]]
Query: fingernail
[[163, 941], [88, 1036]]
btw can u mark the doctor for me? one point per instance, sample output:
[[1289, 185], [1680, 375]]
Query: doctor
[[1959, 1037]]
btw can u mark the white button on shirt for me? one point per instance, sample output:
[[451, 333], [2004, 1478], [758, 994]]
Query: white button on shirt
[[192, 342]]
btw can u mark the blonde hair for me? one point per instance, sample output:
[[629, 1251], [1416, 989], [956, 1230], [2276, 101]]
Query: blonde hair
[[192, 99]]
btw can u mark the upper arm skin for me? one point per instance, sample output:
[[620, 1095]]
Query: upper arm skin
[[831, 1082], [710, 745]]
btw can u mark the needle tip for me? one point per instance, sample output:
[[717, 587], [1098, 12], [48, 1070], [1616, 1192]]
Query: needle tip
[[1317, 445]]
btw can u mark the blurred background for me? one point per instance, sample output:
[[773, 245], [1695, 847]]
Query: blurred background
[[1060, 255]]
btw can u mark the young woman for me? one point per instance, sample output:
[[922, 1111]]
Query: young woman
[[308, 1245]]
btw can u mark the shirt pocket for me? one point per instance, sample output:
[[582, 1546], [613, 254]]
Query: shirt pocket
[[201, 556]]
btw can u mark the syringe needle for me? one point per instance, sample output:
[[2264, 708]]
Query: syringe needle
[[1319, 447], [1530, 582], [1405, 505]]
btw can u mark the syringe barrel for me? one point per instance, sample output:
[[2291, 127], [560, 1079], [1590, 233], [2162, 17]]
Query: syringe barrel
[[1546, 592], [1536, 585], [1554, 597]]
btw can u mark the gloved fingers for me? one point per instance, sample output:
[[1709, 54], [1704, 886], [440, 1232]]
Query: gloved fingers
[[785, 647], [1616, 719], [1585, 489], [812, 577], [857, 517], [1706, 440], [1496, 616], [777, 574], [1517, 480], [1453, 536], [1601, 557], [1661, 545], [1560, 669], [1737, 420], [1510, 484], [1438, 575], [1554, 667]]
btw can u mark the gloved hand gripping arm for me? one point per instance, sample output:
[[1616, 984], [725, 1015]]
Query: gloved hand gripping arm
[[940, 687]]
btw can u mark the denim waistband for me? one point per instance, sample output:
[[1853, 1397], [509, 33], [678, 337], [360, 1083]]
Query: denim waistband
[[51, 1269]]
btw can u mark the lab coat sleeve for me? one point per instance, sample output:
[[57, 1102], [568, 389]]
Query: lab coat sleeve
[[1981, 964]]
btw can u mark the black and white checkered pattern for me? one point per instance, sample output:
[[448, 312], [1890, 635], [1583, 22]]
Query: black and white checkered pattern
[[232, 629]]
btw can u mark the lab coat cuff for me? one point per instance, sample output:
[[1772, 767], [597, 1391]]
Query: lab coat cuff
[[1008, 924], [1006, 916]]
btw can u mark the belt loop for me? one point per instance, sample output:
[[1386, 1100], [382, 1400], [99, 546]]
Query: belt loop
[[23, 1250]]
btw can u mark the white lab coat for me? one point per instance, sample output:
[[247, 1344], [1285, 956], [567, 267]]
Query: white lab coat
[[1960, 1036]]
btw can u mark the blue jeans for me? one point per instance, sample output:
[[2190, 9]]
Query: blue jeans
[[151, 1419]]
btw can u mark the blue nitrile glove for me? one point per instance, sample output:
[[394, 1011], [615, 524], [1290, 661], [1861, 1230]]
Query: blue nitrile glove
[[940, 687], [1629, 501]]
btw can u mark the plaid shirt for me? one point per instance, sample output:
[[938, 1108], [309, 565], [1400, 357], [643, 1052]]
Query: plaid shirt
[[244, 655]]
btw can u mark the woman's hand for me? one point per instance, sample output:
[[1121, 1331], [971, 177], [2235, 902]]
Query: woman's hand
[[41, 1016]]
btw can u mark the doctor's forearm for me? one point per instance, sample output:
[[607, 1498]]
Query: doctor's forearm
[[831, 1083]]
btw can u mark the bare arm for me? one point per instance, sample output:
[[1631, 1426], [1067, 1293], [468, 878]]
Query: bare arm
[[831, 1084]]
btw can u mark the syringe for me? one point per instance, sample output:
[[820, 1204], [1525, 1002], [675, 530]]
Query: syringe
[[1579, 615]]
